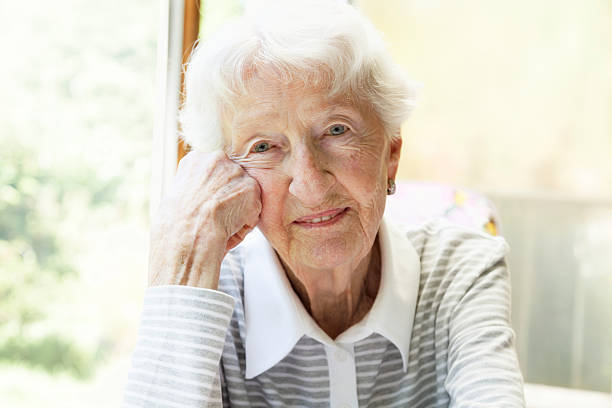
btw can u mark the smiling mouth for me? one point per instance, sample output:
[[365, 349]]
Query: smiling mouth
[[323, 218]]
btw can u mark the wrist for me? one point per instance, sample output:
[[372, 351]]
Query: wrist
[[195, 265]]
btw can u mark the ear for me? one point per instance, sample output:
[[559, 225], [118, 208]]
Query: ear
[[395, 150]]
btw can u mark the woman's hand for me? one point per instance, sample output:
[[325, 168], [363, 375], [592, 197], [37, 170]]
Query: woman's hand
[[212, 205]]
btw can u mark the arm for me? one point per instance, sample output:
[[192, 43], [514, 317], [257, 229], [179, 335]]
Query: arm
[[483, 368], [176, 359], [212, 205]]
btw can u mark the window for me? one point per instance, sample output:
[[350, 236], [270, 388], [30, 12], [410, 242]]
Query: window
[[515, 104], [76, 124]]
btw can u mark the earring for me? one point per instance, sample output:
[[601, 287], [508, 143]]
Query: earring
[[390, 186]]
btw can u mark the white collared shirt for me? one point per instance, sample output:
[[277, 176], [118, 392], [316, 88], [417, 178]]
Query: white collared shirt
[[268, 293]]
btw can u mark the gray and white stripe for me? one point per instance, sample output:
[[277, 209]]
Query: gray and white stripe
[[190, 351]]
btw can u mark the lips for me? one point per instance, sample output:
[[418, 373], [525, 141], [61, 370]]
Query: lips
[[324, 217]]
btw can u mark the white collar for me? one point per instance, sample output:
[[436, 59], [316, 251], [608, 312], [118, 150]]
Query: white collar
[[275, 318]]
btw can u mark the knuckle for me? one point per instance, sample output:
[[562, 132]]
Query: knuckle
[[252, 184], [217, 158]]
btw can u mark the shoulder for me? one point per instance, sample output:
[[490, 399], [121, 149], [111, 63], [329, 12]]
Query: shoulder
[[454, 258], [441, 240]]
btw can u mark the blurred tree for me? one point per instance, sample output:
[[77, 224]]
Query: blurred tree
[[75, 145], [35, 265]]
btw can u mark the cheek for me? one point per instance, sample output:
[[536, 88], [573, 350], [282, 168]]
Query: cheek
[[365, 180], [361, 154], [364, 173]]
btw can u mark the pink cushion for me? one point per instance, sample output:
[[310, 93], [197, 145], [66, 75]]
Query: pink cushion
[[416, 202]]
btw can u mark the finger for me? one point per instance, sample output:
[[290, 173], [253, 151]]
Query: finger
[[236, 158]]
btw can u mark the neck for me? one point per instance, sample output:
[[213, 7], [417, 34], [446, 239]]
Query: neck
[[340, 297]]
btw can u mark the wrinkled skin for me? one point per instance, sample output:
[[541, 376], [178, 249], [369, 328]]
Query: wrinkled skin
[[308, 155], [211, 207]]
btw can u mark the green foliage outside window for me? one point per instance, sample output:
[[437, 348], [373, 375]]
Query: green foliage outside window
[[36, 262], [76, 127]]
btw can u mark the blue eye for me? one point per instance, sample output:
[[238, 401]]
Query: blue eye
[[261, 147], [337, 130]]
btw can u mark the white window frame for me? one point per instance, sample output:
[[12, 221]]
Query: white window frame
[[167, 100]]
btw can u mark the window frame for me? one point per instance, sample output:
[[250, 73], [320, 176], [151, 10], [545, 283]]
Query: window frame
[[179, 24]]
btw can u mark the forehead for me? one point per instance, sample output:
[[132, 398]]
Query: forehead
[[268, 99], [270, 102]]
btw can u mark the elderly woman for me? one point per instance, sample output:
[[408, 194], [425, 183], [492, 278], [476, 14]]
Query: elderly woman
[[275, 279]]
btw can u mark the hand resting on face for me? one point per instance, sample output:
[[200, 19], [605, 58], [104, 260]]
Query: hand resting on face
[[212, 205]]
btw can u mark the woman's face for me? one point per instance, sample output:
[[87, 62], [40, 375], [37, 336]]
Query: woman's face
[[322, 166]]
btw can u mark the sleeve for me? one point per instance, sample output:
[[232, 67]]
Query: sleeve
[[176, 359], [483, 368]]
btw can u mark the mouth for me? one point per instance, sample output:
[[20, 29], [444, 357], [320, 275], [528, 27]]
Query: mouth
[[322, 219]]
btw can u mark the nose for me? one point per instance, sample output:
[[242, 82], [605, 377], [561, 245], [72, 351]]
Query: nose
[[311, 179]]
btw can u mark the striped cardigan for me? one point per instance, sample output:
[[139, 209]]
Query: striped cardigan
[[190, 350]]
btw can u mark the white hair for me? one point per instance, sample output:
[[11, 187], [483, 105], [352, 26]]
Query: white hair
[[325, 44]]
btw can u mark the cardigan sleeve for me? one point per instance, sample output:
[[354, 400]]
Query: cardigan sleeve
[[176, 359], [483, 368]]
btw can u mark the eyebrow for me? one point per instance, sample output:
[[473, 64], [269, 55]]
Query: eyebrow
[[344, 111], [245, 120], [342, 108], [339, 110]]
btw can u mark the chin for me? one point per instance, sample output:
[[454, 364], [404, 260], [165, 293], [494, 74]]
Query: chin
[[329, 254]]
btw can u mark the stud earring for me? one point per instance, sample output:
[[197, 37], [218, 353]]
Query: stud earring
[[390, 186]]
